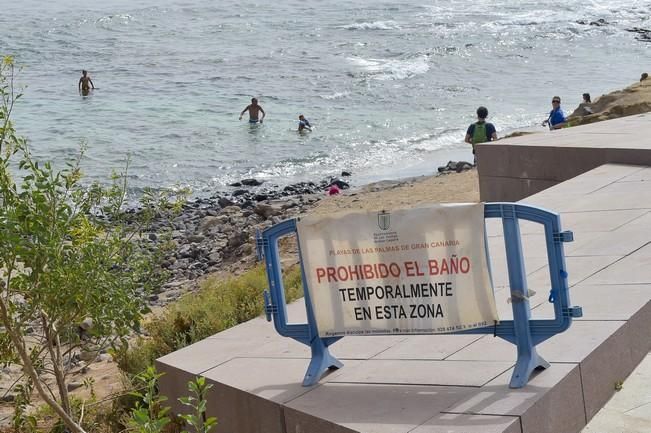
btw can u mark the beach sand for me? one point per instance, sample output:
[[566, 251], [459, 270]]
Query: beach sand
[[449, 188]]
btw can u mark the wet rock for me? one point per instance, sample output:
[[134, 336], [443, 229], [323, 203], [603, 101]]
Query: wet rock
[[599, 23], [643, 35], [239, 192], [346, 173], [260, 197], [236, 184], [251, 182], [340, 184]]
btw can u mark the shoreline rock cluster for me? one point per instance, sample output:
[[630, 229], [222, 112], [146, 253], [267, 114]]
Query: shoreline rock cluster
[[217, 234]]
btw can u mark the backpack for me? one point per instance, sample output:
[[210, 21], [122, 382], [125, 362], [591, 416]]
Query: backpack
[[479, 133]]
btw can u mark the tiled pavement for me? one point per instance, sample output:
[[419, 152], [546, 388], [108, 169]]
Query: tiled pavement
[[459, 384]]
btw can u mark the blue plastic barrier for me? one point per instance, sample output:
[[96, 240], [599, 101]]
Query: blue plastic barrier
[[521, 331]]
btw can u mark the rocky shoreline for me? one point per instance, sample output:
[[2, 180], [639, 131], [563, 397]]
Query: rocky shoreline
[[217, 234]]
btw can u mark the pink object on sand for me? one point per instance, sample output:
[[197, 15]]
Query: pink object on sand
[[333, 190]]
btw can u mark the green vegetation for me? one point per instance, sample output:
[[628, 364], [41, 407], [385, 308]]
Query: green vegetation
[[219, 305], [73, 273]]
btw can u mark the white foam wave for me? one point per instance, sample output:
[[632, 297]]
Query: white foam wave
[[375, 25], [109, 20], [336, 95], [392, 69]]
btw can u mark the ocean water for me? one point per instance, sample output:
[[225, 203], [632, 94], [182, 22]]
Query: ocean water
[[389, 86]]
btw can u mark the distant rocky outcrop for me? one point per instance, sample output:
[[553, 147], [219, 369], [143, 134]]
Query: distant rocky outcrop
[[634, 99]]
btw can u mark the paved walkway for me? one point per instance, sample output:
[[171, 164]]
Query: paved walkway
[[459, 383], [629, 410]]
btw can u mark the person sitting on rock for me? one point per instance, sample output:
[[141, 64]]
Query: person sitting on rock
[[556, 119], [480, 131]]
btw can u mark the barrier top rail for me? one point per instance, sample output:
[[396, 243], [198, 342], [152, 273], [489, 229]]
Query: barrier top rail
[[522, 331]]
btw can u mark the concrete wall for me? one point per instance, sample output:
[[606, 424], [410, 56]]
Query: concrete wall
[[515, 168]]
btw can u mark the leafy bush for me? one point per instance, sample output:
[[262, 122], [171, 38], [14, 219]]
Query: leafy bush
[[69, 255], [220, 304]]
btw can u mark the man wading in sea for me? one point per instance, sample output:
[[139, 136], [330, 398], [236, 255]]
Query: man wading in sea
[[83, 83], [254, 111]]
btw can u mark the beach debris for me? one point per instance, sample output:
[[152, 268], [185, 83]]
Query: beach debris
[[455, 166]]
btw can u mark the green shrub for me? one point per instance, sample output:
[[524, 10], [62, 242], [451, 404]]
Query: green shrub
[[220, 304]]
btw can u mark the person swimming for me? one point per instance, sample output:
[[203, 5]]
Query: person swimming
[[254, 111], [303, 124], [84, 89]]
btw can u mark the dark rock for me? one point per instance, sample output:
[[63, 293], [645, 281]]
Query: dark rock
[[224, 202], [346, 173], [152, 236], [260, 197], [251, 182], [239, 192], [236, 184], [340, 184], [600, 22]]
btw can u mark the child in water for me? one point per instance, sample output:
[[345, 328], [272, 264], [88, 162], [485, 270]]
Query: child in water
[[303, 123]]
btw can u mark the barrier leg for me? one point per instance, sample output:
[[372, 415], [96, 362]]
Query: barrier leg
[[528, 357], [322, 361]]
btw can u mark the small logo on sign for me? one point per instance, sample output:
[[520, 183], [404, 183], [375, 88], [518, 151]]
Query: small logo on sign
[[384, 220]]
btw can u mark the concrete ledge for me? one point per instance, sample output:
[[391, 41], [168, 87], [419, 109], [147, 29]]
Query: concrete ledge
[[458, 384], [514, 168]]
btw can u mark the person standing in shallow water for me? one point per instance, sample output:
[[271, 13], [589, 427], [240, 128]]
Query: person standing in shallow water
[[254, 112], [480, 131], [84, 82]]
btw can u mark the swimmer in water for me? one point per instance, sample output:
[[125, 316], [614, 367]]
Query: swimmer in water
[[84, 88], [303, 124], [254, 111]]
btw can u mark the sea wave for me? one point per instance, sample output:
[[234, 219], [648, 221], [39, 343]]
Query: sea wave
[[375, 25], [392, 69], [336, 95]]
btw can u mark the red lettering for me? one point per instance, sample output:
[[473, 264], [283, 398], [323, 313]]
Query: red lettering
[[320, 273]]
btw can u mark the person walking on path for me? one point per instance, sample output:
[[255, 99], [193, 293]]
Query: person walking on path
[[556, 119], [254, 112], [480, 131]]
